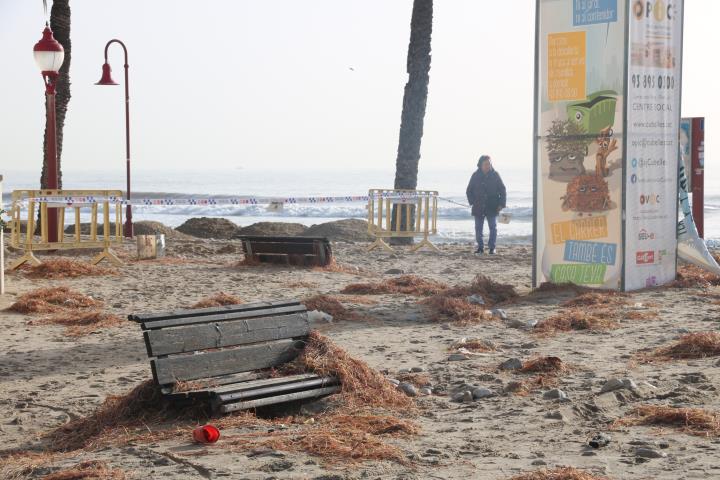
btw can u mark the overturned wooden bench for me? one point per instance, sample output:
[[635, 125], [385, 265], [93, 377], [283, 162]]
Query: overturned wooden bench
[[306, 251], [222, 355]]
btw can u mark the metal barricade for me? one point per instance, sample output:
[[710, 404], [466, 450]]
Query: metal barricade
[[389, 209], [44, 201]]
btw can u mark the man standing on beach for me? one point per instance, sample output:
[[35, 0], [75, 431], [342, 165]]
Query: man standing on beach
[[486, 195]]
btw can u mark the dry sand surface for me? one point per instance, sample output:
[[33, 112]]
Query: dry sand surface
[[50, 377]]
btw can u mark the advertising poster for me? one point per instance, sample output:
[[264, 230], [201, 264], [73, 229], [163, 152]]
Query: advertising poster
[[652, 149], [579, 131]]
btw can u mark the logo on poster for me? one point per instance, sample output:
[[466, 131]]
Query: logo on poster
[[658, 9], [645, 235], [651, 199], [645, 258]]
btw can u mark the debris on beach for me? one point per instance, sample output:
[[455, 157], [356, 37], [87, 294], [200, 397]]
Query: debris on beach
[[332, 306], [561, 473], [80, 323], [89, 470], [57, 268], [52, 300], [218, 300], [576, 319], [692, 276], [689, 346], [473, 345], [693, 421], [403, 284]]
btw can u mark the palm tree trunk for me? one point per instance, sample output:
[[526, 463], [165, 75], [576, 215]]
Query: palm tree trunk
[[60, 25], [414, 103]]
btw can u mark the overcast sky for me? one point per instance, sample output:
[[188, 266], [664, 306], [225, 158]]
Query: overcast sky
[[291, 83]]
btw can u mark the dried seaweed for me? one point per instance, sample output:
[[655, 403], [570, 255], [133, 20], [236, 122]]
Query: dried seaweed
[[219, 299], [693, 421]]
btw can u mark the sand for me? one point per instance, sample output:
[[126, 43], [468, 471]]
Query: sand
[[48, 378]]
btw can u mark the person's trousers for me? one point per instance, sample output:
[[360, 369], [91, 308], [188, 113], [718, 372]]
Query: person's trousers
[[492, 224]]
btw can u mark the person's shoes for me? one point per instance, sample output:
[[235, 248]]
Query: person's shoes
[[492, 251], [479, 251]]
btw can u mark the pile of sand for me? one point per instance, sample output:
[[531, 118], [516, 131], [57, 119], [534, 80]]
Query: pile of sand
[[349, 230], [147, 227], [206, 227], [279, 229]]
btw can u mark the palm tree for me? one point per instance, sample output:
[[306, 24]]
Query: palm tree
[[60, 25], [414, 101]]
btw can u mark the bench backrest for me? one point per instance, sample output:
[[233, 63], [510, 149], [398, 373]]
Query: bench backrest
[[219, 341], [318, 247]]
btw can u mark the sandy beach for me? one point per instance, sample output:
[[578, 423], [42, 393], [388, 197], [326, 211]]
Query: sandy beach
[[49, 377]]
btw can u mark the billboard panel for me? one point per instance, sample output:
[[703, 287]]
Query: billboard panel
[[653, 122]]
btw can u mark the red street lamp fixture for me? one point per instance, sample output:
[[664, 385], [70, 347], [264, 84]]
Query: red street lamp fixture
[[106, 79], [49, 56]]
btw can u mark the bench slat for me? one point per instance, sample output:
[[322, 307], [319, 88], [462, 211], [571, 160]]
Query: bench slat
[[198, 312], [274, 390], [260, 248], [288, 397], [189, 338], [181, 368], [262, 382], [224, 317]]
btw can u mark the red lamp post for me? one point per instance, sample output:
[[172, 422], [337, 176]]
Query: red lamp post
[[107, 79], [49, 56]]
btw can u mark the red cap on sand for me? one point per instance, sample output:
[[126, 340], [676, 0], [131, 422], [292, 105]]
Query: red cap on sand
[[206, 434]]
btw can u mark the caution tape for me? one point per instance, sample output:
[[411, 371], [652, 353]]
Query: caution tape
[[204, 201]]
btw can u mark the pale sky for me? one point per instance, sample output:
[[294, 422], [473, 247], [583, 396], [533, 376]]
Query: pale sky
[[268, 84]]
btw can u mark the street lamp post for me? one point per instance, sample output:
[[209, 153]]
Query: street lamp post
[[106, 79], [49, 56]]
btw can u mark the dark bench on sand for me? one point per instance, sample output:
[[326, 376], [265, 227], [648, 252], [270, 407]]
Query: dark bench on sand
[[307, 251], [221, 355]]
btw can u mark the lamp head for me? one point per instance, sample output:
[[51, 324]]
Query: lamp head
[[106, 78]]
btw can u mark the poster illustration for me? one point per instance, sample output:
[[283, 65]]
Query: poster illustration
[[607, 104], [579, 142]]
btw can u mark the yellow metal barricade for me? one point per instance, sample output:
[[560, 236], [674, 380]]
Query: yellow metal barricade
[[42, 201], [387, 209]]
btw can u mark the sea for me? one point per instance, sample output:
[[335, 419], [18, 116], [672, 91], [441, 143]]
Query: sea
[[455, 224]]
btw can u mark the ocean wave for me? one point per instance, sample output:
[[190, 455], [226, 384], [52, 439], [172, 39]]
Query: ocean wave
[[343, 210]]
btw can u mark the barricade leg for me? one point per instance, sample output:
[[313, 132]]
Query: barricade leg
[[379, 242], [108, 254], [28, 257]]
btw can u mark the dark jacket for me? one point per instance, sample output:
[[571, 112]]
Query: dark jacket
[[486, 193]]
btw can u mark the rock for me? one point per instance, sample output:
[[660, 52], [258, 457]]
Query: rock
[[538, 462], [479, 393], [599, 440], [611, 385], [394, 381], [499, 313], [643, 452], [277, 466], [409, 389], [467, 396], [457, 357], [206, 227], [511, 364], [556, 415], [273, 229], [394, 271], [403, 370], [426, 391], [318, 316], [617, 384], [348, 230], [475, 299], [461, 396], [417, 369], [555, 394]]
